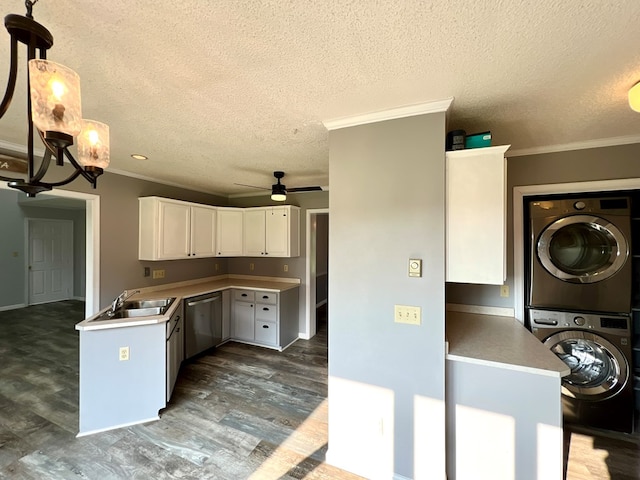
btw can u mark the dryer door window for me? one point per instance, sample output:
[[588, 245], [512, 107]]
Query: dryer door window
[[598, 368], [582, 249]]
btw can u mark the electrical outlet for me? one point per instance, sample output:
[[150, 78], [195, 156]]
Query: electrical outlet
[[286, 268], [124, 354], [407, 314], [147, 272], [251, 266], [504, 291], [158, 274]]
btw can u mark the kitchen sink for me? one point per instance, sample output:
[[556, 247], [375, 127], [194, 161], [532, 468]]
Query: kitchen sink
[[137, 308], [144, 304]]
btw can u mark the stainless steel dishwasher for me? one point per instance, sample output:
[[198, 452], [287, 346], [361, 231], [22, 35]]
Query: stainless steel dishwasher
[[203, 323]]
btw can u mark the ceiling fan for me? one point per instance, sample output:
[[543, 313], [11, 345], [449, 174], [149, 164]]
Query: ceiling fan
[[279, 190]]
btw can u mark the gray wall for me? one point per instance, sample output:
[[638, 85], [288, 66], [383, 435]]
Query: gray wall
[[119, 265], [12, 268], [605, 163], [274, 267], [387, 205]]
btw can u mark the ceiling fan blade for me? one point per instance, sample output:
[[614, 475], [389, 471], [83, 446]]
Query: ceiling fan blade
[[305, 189], [252, 186]]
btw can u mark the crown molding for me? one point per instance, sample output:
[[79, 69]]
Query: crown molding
[[565, 147], [9, 148], [391, 114]]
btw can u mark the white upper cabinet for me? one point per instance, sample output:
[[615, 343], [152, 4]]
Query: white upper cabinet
[[272, 231], [172, 229], [229, 232], [476, 214]]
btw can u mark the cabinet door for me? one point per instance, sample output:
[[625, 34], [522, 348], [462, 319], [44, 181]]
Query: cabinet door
[[254, 228], [226, 315], [476, 216], [243, 321], [229, 232], [277, 232], [174, 230], [203, 239]]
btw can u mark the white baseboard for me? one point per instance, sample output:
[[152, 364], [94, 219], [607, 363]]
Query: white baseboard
[[100, 430], [78, 298], [12, 307], [304, 336]]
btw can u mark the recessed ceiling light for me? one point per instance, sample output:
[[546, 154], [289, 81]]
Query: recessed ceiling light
[[137, 156]]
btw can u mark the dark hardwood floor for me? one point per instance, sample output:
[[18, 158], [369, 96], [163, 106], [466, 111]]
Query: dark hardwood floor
[[240, 412], [237, 413]]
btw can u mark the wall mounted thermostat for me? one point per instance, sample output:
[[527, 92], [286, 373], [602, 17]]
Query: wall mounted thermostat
[[415, 267]]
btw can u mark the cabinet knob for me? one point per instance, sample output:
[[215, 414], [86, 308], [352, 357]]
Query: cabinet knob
[[265, 296], [265, 309], [265, 326], [244, 294]]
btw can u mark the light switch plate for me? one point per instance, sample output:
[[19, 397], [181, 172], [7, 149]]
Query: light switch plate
[[415, 267], [407, 314]]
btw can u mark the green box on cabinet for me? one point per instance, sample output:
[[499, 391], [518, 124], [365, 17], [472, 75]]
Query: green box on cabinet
[[478, 140]]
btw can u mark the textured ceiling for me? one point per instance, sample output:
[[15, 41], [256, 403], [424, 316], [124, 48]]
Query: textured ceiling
[[224, 92]]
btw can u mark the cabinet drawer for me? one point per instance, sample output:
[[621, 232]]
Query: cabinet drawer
[[267, 297], [266, 332], [243, 295], [265, 312]]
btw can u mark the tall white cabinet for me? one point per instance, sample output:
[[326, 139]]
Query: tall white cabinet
[[476, 215], [172, 229]]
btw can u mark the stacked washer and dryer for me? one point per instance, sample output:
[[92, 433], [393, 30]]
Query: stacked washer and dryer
[[579, 303]]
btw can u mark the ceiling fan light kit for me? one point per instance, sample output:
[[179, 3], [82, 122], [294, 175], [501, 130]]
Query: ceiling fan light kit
[[278, 190], [54, 110], [634, 97]]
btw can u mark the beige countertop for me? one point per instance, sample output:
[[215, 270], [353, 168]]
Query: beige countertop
[[191, 288], [501, 342]]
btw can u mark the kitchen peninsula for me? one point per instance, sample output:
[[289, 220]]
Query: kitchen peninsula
[[503, 400], [125, 362]]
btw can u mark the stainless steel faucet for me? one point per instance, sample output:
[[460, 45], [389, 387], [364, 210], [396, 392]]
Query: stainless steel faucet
[[120, 299]]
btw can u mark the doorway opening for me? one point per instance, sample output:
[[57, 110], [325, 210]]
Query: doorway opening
[[92, 237], [317, 274]]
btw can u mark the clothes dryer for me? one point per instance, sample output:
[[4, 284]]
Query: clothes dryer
[[599, 391], [579, 254]]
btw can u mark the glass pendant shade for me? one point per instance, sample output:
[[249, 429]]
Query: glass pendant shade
[[634, 97], [93, 144], [55, 97]]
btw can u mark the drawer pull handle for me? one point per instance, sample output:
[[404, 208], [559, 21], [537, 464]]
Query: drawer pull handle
[[244, 295], [265, 296], [265, 326], [265, 309]]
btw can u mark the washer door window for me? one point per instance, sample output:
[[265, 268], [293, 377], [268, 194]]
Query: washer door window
[[582, 249], [598, 368]]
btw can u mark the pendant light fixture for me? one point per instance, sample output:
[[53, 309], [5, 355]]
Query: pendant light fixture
[[54, 110]]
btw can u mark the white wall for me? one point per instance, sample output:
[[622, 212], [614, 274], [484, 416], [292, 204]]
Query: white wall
[[386, 380]]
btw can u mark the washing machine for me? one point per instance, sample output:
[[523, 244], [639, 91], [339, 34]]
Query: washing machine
[[597, 347], [579, 254]]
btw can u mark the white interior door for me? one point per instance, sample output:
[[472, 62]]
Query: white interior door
[[50, 269]]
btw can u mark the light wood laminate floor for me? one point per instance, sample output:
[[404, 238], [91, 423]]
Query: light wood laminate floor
[[241, 412]]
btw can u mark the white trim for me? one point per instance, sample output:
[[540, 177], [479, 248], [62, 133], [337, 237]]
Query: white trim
[[481, 309], [565, 147], [390, 114], [75, 297], [12, 307], [18, 149], [100, 430], [518, 218], [397, 476], [310, 293]]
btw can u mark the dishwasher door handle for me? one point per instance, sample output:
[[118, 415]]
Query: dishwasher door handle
[[206, 300]]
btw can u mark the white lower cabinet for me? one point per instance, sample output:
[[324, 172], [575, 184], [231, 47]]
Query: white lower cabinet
[[269, 319]]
